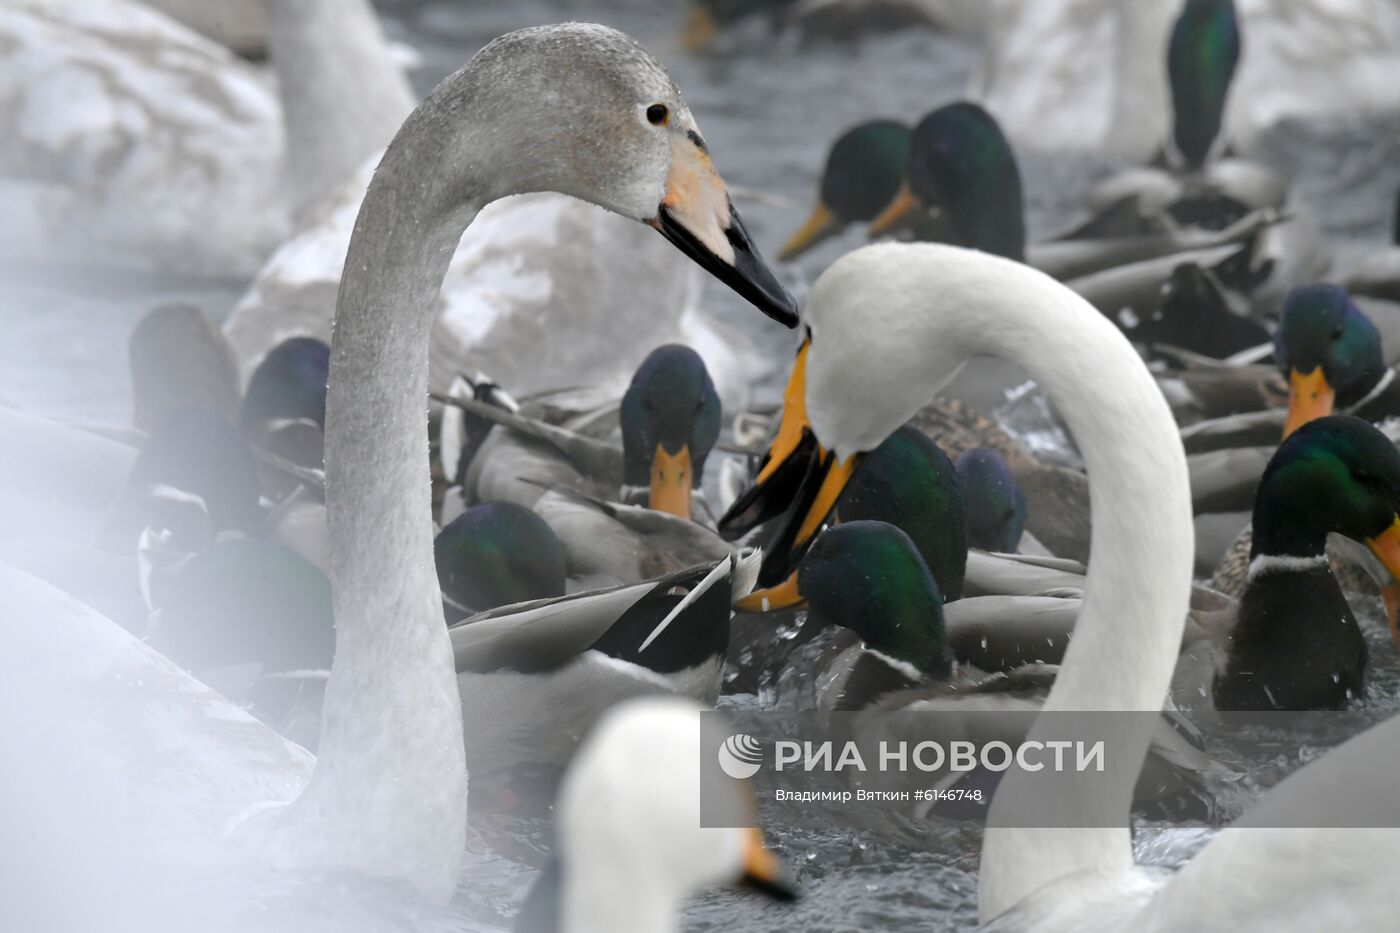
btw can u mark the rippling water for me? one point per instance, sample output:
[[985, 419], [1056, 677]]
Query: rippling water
[[768, 108]]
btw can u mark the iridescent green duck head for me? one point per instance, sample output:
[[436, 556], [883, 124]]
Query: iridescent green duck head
[[996, 508], [670, 422], [864, 171], [907, 482], [496, 554], [1328, 350], [1336, 474], [1201, 60], [869, 577], [962, 185]]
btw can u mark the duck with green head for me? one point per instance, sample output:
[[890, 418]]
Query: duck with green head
[[1202, 56], [996, 507], [495, 554], [1294, 642], [864, 171]]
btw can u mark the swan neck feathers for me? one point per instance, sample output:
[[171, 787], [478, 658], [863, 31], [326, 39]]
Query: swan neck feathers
[[543, 108], [890, 324]]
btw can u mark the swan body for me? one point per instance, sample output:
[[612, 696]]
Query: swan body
[[887, 355]]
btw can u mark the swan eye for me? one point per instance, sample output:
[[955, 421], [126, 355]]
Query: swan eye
[[658, 114]]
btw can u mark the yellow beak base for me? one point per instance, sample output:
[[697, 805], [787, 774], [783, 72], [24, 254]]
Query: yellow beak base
[[819, 226], [898, 214], [762, 870], [794, 422], [1309, 398], [671, 480]]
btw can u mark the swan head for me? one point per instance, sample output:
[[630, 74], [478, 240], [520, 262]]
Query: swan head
[[585, 111], [495, 554], [670, 422], [996, 507], [962, 183], [629, 818], [864, 171], [1328, 350]]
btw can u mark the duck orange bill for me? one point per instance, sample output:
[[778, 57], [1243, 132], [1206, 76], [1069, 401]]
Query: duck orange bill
[[770, 599], [1309, 398], [695, 214], [1386, 547], [763, 871], [899, 214], [819, 226], [671, 481]]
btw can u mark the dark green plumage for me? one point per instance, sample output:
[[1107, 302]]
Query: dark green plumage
[[1201, 61], [996, 507], [496, 554], [868, 577], [290, 382], [1335, 474], [961, 162], [910, 483], [671, 403], [864, 170], [1322, 326]]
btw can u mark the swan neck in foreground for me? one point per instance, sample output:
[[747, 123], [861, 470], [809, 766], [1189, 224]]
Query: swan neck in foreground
[[389, 792], [896, 320]]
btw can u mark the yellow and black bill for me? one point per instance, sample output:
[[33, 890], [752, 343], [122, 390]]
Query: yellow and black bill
[[763, 871], [1309, 397], [1386, 547], [822, 224], [696, 215]]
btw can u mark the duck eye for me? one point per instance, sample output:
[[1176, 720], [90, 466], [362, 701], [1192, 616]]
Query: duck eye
[[658, 114], [1337, 333]]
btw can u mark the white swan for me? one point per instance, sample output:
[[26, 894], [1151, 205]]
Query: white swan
[[533, 295], [1075, 74], [135, 143], [387, 796], [889, 323], [239, 24]]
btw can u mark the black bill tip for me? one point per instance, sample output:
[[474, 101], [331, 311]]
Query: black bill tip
[[749, 276], [779, 889]]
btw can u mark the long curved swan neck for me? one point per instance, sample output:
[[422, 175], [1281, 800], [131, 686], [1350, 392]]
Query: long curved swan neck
[[389, 792], [343, 94], [935, 306]]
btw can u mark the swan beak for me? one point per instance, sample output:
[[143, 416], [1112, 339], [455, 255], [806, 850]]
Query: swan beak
[[819, 226], [762, 870], [671, 481], [697, 216], [1309, 398], [785, 595], [898, 214], [783, 465], [1386, 547], [699, 28]]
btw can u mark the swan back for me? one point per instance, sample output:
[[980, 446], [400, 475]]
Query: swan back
[[890, 324]]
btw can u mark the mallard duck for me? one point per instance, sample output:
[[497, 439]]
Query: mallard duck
[[1292, 641], [539, 674], [996, 507], [864, 171], [669, 418], [380, 799], [178, 359], [632, 846], [495, 554]]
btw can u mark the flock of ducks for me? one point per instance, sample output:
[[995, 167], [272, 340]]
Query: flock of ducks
[[255, 566]]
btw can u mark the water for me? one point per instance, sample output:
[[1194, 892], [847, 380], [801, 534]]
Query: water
[[768, 107]]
